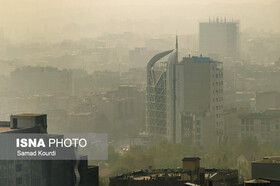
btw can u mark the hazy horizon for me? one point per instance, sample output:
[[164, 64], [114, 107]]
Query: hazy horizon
[[33, 19]]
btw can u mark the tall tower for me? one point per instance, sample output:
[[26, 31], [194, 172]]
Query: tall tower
[[219, 39], [199, 95], [158, 99], [184, 97]]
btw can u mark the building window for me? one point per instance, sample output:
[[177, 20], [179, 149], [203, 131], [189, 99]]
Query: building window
[[15, 122], [18, 167], [251, 128], [19, 181]]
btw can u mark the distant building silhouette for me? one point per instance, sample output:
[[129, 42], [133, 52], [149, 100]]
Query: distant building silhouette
[[219, 39]]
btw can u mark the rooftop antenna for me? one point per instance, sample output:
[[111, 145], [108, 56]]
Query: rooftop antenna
[[176, 48]]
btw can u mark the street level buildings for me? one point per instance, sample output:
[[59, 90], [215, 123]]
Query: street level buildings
[[190, 174]]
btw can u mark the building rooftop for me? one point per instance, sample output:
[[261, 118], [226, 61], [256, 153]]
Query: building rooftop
[[202, 59], [257, 181], [191, 158], [270, 159], [29, 115], [260, 115], [150, 174], [199, 59], [170, 174], [6, 129]]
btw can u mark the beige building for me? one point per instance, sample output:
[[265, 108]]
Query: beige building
[[265, 100], [231, 123], [264, 126]]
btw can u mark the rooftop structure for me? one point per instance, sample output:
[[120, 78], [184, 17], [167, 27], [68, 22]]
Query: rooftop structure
[[266, 168], [190, 174]]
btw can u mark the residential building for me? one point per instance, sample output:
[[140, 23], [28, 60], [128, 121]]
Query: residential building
[[264, 126]]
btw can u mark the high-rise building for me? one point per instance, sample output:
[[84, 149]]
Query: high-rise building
[[199, 94], [156, 108], [219, 39], [185, 99]]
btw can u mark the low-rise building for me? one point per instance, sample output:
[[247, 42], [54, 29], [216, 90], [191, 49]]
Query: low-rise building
[[190, 174], [266, 168]]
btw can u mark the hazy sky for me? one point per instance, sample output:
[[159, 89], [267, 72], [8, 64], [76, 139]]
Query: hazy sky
[[83, 18]]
